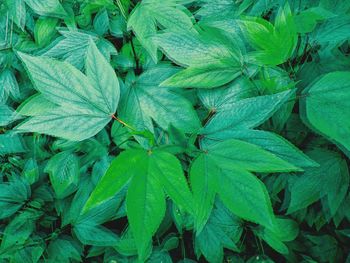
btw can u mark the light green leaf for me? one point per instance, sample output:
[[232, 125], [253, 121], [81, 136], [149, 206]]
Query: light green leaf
[[17, 12], [145, 17], [274, 43], [245, 114], [194, 49], [103, 77], [116, 177], [8, 85], [44, 30], [206, 76], [76, 109]]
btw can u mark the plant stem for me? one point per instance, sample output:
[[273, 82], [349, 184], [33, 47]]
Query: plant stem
[[122, 122]]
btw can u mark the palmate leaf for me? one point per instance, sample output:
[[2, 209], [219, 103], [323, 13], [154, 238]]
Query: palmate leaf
[[274, 43], [144, 100], [225, 169], [151, 174], [70, 105]]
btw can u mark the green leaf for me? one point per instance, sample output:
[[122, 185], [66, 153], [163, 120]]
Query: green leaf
[[207, 76], [44, 30], [77, 109], [8, 85], [195, 49], [307, 20], [7, 115], [18, 231], [17, 11], [215, 99], [330, 180], [116, 177], [224, 168], [48, 8], [234, 153], [223, 230], [172, 179], [13, 195], [11, 143], [145, 100], [246, 196], [64, 248], [245, 114], [326, 105], [286, 230], [63, 169], [145, 202], [95, 235], [145, 17], [274, 43], [152, 174], [203, 178], [270, 142]]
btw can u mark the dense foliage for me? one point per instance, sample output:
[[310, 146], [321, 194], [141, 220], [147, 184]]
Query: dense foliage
[[174, 131]]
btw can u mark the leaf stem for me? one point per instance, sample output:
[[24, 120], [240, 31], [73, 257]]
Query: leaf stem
[[122, 122], [134, 53]]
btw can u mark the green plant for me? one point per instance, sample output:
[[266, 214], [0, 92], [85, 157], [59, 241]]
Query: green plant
[[174, 131]]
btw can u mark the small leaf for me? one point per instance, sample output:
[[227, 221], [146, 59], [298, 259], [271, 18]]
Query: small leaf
[[63, 169]]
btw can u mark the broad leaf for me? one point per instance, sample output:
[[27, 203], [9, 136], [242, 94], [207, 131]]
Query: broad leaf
[[326, 105], [145, 100], [222, 230], [76, 109], [330, 180], [152, 174]]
